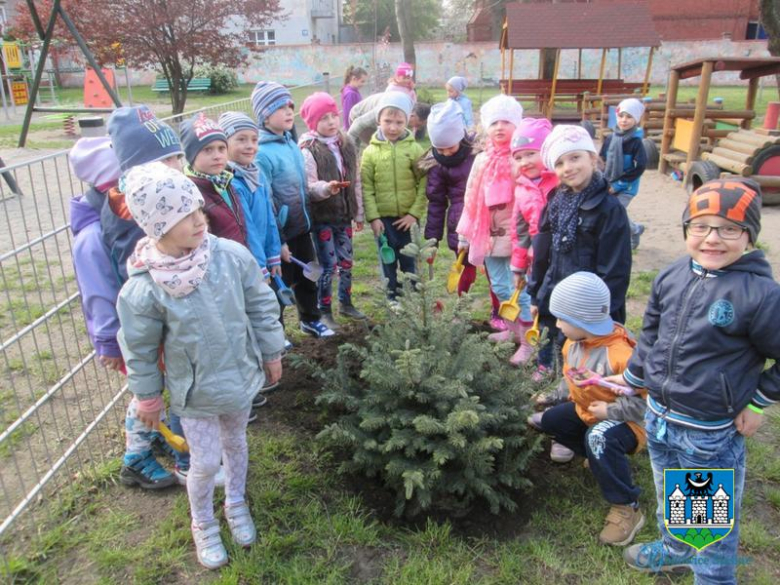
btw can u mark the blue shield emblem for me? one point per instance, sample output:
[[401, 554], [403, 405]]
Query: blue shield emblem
[[699, 505]]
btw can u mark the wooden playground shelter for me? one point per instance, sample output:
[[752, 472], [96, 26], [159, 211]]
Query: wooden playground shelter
[[694, 141], [559, 27]]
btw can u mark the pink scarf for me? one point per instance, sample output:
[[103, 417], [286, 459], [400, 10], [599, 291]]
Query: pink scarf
[[177, 276], [494, 186]]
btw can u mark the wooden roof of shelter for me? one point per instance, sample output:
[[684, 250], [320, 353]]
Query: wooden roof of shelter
[[750, 67], [573, 25]]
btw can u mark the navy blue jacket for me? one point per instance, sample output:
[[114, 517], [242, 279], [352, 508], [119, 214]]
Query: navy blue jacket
[[603, 247], [705, 341], [120, 232]]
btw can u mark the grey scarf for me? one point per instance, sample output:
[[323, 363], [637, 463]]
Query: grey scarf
[[614, 169], [250, 174]]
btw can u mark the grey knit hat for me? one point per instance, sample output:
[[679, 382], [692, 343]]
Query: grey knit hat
[[582, 299]]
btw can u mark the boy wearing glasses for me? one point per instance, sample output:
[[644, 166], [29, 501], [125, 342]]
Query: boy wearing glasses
[[709, 328]]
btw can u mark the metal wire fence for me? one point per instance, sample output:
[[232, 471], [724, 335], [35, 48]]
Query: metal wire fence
[[61, 412]]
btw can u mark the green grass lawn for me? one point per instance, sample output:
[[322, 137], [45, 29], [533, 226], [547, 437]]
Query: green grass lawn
[[316, 526]]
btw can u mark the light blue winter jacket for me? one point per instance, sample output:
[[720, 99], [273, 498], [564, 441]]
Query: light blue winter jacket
[[215, 339], [282, 163], [262, 233]]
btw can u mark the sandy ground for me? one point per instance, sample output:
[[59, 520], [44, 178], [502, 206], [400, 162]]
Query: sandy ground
[[659, 206]]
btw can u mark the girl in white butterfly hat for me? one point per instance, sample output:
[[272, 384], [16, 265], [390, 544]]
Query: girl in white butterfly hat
[[204, 300]]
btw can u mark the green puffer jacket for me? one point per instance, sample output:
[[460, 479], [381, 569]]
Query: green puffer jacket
[[392, 184]]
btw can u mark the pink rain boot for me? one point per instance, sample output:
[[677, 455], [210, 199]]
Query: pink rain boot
[[525, 351], [503, 335]]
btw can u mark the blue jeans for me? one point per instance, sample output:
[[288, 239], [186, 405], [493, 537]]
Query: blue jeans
[[606, 445], [503, 286], [396, 239], [673, 446]]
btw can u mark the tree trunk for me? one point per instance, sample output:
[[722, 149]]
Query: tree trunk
[[403, 16], [770, 20]]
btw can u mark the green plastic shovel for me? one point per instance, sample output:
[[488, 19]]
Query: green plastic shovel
[[386, 253]]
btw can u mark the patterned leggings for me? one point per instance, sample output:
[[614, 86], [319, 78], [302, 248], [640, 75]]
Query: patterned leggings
[[334, 252], [211, 439]]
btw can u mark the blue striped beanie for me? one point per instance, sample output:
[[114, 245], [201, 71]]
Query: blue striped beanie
[[582, 299], [232, 122], [267, 97]]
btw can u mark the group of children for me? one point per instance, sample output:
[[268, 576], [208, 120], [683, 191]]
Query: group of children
[[199, 249]]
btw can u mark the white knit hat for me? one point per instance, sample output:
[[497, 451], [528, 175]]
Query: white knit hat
[[159, 197], [582, 299], [632, 107], [500, 107], [395, 99], [94, 161], [565, 139], [446, 126]]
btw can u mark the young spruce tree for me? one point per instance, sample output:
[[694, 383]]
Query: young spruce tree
[[430, 406]]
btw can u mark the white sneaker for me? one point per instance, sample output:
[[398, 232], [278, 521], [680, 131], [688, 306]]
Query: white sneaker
[[219, 479], [560, 453]]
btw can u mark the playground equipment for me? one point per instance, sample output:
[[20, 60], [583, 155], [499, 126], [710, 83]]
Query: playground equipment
[[573, 26], [706, 143]]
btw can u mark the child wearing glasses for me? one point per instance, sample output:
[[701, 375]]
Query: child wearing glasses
[[709, 329]]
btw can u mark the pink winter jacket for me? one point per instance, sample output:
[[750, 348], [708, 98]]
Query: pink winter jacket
[[501, 224], [530, 200]]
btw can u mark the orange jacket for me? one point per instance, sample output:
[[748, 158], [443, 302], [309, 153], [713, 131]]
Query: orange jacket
[[605, 355]]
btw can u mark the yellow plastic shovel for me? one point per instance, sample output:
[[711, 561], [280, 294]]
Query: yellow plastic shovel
[[532, 335], [510, 310], [456, 271], [176, 441]]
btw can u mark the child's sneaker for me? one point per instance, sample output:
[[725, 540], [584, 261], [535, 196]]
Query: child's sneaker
[[287, 346], [542, 374], [181, 472], [317, 329], [351, 312], [535, 421], [146, 472], [654, 557], [208, 543], [636, 234], [621, 525], [560, 453], [241, 525]]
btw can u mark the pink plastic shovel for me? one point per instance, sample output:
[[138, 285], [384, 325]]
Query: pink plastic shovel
[[585, 377]]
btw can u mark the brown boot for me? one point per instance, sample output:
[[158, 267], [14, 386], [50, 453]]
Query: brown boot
[[621, 526]]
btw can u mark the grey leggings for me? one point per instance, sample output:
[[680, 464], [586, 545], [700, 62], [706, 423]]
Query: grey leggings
[[210, 440]]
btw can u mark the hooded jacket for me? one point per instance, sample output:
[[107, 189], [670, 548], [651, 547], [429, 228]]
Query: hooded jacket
[[95, 275], [393, 184], [603, 246], [350, 96], [705, 340], [530, 201], [445, 190], [120, 232], [606, 355], [282, 163], [262, 233], [215, 339]]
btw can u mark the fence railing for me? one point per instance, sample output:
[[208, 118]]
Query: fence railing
[[61, 412]]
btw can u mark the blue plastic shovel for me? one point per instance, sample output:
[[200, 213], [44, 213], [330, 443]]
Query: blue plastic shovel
[[283, 292]]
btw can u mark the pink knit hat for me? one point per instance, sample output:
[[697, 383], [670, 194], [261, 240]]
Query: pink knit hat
[[316, 106], [530, 134], [404, 70]]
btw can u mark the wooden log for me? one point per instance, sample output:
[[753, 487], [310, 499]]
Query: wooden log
[[760, 137], [766, 131], [728, 164], [739, 157], [737, 146], [755, 140], [711, 134], [767, 180], [715, 114]]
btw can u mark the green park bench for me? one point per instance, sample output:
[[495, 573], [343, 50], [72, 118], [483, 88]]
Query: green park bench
[[196, 84]]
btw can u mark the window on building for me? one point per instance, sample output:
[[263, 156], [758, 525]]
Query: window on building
[[262, 37], [755, 31]]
